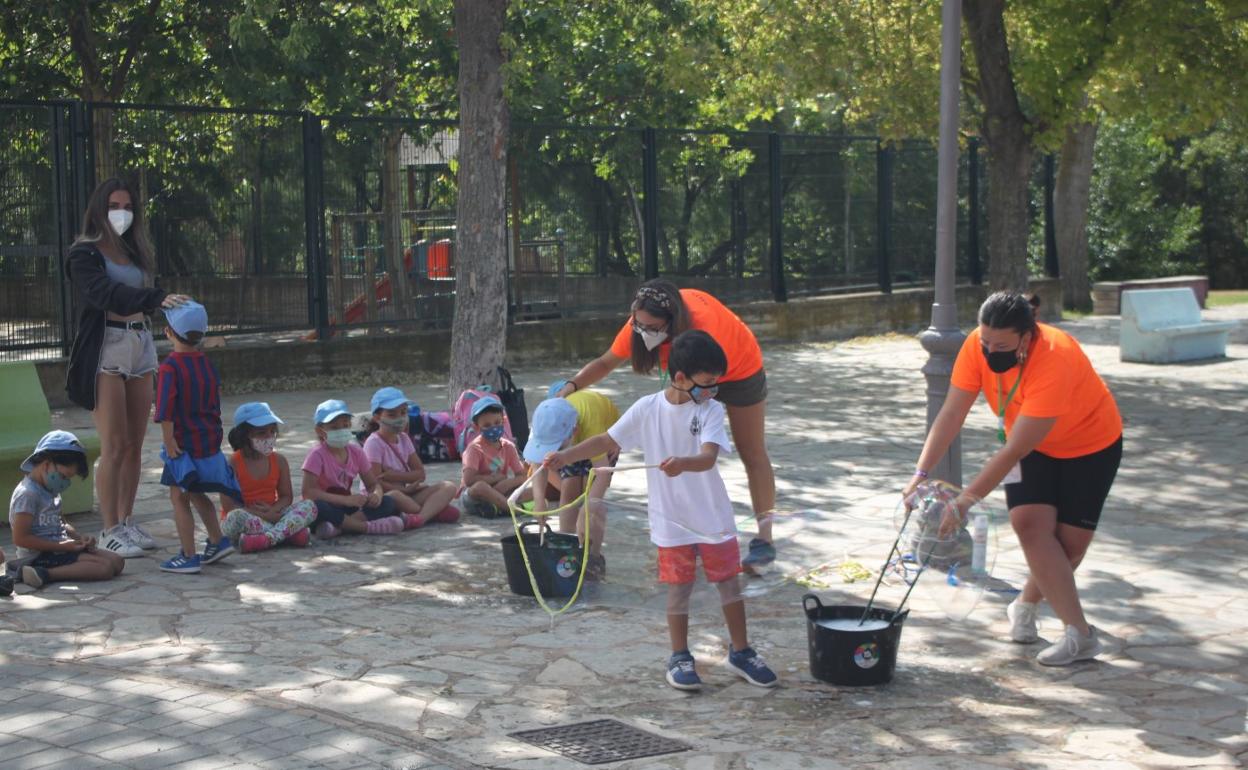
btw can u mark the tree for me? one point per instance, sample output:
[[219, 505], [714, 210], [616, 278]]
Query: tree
[[479, 327]]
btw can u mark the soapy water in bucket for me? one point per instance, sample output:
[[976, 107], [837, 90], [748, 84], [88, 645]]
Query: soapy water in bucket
[[853, 624], [950, 553], [632, 560]]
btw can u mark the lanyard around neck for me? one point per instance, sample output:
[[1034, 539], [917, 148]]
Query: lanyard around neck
[[1002, 403]]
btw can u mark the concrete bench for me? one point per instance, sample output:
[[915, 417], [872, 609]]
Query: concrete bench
[[25, 419], [1163, 326], [1107, 295]]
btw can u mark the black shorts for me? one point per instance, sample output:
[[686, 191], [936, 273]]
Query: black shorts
[[1076, 486], [748, 392], [334, 514]]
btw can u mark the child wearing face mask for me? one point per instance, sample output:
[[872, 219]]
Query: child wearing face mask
[[492, 465], [396, 464], [330, 470], [267, 514], [48, 548]]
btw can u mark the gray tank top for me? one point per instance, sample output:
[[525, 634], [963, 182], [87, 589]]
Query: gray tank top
[[130, 275]]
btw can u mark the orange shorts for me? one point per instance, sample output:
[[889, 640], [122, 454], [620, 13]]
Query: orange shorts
[[720, 561]]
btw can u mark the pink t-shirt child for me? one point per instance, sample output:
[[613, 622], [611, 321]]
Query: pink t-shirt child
[[333, 475], [391, 457], [484, 457]]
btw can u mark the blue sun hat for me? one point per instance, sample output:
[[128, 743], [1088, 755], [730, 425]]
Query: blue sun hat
[[57, 441], [554, 421], [190, 316], [328, 410], [388, 398], [483, 403], [257, 414]]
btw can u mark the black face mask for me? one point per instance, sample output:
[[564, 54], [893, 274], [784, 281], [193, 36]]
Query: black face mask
[[1001, 361]]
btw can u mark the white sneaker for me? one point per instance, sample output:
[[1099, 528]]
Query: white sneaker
[[1071, 647], [1022, 617], [138, 535], [116, 540]]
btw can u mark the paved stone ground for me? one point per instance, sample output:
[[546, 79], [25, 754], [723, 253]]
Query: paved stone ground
[[409, 651]]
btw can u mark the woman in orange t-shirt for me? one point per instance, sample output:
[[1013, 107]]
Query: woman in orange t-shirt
[[659, 313], [1061, 437]]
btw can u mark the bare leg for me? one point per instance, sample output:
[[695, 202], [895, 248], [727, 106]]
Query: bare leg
[[678, 615], [748, 424], [1051, 569], [355, 523], [404, 503], [569, 490], [734, 611], [138, 413], [436, 497], [113, 428], [90, 566], [208, 515], [183, 520], [1075, 541]]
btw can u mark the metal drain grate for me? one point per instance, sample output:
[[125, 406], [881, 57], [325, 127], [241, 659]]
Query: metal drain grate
[[600, 741]]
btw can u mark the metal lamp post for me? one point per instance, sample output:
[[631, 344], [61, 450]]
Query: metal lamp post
[[943, 338]]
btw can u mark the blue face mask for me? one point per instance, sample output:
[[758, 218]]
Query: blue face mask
[[699, 394], [56, 482], [492, 434]]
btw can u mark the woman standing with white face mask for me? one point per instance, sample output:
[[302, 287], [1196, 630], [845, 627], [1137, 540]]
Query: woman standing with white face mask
[[659, 313], [112, 359]]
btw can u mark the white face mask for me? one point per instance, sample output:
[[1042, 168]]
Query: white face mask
[[120, 219], [264, 446], [652, 339]]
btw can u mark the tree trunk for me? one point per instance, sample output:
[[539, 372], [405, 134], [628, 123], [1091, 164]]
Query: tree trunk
[[1010, 151], [479, 328], [1070, 204]]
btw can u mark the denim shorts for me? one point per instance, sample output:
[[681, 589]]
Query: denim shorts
[[127, 353]]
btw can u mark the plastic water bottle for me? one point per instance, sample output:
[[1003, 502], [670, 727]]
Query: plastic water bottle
[[979, 544]]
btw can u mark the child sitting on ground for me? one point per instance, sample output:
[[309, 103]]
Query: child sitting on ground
[[48, 548], [188, 408], [492, 465], [331, 469], [397, 465], [266, 514], [681, 431], [560, 423]]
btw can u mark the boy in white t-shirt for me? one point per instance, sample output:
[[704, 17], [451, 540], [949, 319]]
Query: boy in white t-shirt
[[681, 430]]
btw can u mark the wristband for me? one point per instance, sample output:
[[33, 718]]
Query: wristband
[[920, 473], [575, 387]]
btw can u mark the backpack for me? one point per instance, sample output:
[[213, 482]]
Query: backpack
[[461, 417], [434, 436]]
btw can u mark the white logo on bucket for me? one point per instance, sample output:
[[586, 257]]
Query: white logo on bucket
[[867, 655], [565, 567]]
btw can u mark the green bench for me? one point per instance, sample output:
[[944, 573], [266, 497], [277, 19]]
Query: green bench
[[25, 419]]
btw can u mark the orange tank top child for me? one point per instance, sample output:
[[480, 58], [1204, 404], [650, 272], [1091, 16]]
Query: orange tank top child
[[255, 490]]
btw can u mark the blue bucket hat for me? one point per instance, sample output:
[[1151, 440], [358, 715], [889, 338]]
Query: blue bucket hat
[[256, 413], [188, 317], [388, 398], [554, 420], [57, 441], [483, 403], [328, 410]]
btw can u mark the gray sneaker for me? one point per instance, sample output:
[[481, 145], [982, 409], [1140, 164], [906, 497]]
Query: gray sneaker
[[138, 535], [1022, 617], [1073, 646]]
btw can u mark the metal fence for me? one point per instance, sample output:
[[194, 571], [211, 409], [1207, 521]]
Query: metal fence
[[291, 223]]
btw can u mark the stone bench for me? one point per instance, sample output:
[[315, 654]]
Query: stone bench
[[1163, 326], [1107, 295]]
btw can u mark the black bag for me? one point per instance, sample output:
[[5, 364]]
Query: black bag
[[513, 401]]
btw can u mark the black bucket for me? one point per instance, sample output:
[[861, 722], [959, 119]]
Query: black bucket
[[851, 658], [556, 562]]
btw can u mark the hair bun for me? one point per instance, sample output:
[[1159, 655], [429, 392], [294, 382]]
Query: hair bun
[[1033, 300]]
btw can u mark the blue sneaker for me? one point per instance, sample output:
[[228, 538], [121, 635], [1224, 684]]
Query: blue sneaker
[[215, 552], [182, 563], [680, 672], [751, 667], [761, 554]]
